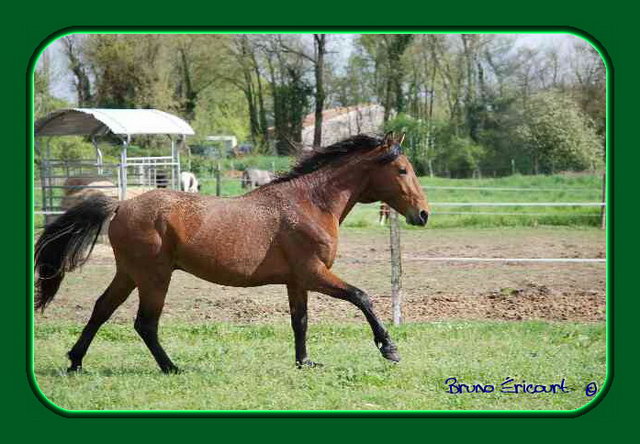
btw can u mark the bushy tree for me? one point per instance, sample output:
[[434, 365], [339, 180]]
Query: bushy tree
[[221, 111], [557, 134], [416, 143]]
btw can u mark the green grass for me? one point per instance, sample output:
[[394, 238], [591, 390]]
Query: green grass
[[235, 367]]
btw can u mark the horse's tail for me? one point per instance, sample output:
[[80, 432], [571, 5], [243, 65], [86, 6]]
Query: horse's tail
[[64, 243]]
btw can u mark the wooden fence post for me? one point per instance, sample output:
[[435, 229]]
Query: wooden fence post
[[603, 209], [218, 185], [396, 267]]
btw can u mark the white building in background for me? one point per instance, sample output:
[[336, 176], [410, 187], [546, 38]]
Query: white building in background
[[343, 122]]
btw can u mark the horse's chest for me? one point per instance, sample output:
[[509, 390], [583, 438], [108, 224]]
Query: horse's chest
[[327, 252]]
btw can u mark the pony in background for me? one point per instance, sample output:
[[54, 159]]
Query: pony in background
[[189, 182], [253, 178]]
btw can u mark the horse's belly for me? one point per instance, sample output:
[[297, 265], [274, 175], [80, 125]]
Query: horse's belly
[[236, 271], [236, 262]]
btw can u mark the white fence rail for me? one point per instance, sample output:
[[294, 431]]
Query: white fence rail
[[518, 189], [512, 259], [518, 204]]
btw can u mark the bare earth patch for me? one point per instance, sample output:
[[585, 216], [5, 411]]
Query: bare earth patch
[[431, 290]]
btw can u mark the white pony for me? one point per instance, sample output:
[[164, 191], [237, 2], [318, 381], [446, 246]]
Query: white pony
[[253, 177], [188, 182]]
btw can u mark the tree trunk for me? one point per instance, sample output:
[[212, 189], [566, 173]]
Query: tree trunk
[[320, 40], [82, 83], [262, 113]]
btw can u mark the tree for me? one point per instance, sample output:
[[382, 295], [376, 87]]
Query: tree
[[130, 71], [557, 134], [198, 64], [319, 41], [386, 50], [44, 101], [246, 75], [317, 60], [289, 89], [72, 45], [590, 84]]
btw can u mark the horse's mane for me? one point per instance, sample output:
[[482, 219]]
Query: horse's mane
[[330, 155]]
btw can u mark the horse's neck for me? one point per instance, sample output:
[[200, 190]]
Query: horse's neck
[[334, 192]]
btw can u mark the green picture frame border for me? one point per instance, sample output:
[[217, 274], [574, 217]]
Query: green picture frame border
[[324, 413]]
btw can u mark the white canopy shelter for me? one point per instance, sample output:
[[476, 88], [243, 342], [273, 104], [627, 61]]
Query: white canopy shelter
[[95, 123], [101, 121]]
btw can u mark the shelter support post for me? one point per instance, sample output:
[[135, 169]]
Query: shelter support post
[[122, 172]]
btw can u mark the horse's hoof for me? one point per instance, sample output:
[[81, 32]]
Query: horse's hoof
[[74, 369], [172, 370], [390, 351], [307, 364]]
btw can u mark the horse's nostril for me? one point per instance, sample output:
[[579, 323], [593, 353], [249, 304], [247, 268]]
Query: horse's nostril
[[424, 216]]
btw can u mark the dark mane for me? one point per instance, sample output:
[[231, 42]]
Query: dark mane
[[330, 155]]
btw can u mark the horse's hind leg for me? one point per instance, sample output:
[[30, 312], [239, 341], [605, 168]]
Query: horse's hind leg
[[298, 306], [152, 296], [117, 292]]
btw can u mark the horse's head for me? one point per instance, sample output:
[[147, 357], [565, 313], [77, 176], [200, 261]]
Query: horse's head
[[392, 180]]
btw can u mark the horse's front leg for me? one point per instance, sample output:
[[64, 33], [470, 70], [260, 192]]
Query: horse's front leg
[[298, 307], [324, 281]]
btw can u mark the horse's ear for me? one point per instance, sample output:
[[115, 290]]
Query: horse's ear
[[389, 139], [390, 155]]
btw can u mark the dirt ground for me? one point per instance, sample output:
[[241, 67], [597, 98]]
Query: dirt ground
[[432, 291]]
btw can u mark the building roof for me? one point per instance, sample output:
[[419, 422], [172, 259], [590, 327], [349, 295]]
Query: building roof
[[343, 122], [102, 121]]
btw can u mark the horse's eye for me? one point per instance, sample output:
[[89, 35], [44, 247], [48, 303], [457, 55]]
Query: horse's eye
[[403, 171]]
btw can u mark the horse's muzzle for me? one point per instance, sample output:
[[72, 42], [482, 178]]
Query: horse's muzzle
[[420, 218]]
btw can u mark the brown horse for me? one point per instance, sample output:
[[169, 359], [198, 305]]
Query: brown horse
[[285, 232]]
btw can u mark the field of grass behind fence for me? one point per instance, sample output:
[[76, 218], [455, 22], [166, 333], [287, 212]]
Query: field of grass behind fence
[[518, 188]]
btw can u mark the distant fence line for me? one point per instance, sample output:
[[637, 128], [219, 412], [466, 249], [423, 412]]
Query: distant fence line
[[512, 259], [519, 204], [446, 187], [496, 213]]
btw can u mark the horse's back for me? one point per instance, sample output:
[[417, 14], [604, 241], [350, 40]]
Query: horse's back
[[223, 240]]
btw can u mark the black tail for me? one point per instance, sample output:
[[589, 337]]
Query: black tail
[[64, 243]]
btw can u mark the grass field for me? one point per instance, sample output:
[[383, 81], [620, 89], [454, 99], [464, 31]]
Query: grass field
[[477, 322], [238, 367]]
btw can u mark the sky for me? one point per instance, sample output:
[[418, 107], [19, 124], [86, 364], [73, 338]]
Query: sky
[[62, 81]]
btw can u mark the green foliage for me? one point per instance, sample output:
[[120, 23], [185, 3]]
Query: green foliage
[[416, 144], [68, 148], [471, 103], [454, 155], [557, 134], [220, 111], [130, 71], [205, 168], [44, 102]]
